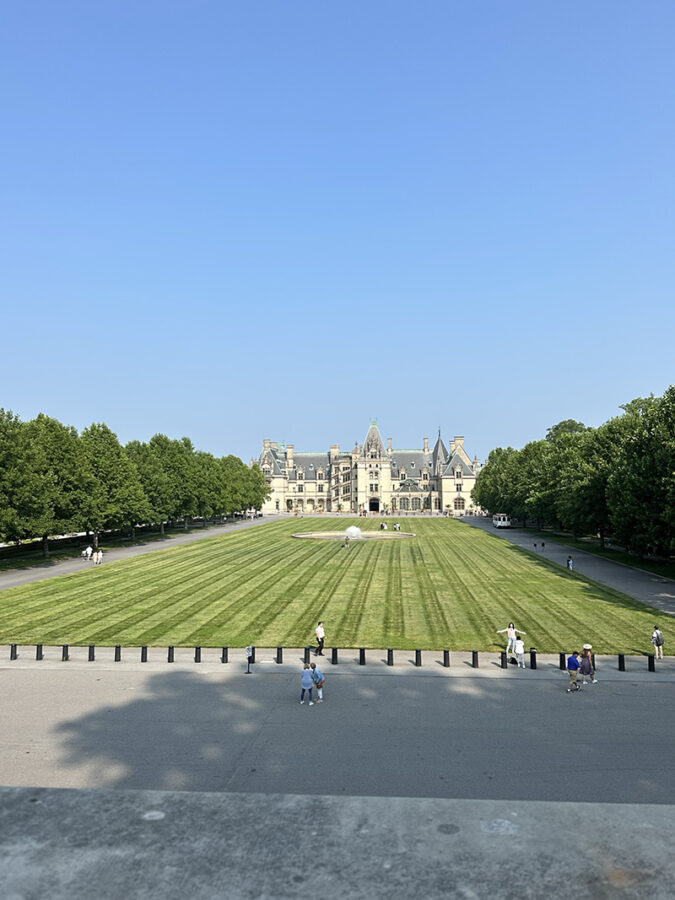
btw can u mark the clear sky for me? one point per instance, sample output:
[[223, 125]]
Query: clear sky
[[237, 220]]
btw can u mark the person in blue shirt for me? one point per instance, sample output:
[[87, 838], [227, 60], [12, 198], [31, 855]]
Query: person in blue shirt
[[573, 669], [306, 684], [319, 681]]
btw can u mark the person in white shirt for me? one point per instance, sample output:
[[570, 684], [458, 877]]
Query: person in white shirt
[[520, 652], [320, 635]]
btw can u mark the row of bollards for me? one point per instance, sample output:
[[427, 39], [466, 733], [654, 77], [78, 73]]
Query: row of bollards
[[279, 658]]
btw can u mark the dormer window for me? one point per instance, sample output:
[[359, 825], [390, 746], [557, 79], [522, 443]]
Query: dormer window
[[301, 475], [319, 475], [458, 473]]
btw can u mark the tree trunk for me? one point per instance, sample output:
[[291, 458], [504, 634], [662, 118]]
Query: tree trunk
[[96, 540], [45, 546], [133, 532], [161, 528], [602, 539], [185, 523]]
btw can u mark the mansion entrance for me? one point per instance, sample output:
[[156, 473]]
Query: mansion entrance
[[374, 505]]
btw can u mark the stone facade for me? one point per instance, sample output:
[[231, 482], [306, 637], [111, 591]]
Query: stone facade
[[371, 478]]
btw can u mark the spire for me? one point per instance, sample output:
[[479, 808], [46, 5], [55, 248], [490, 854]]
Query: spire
[[373, 443]]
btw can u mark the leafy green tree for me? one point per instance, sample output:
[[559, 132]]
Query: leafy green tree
[[567, 426], [59, 478], [177, 460], [116, 497], [641, 487], [17, 484], [155, 480]]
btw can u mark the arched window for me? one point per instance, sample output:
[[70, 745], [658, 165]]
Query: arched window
[[459, 503], [415, 502], [405, 503]]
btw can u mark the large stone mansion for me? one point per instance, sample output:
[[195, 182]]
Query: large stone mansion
[[371, 478]]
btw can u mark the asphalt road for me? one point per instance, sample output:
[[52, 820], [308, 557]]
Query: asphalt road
[[486, 735]]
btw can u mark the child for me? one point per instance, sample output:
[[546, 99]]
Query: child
[[511, 633], [520, 652], [573, 669]]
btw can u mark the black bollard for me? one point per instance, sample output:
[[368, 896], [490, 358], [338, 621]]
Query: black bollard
[[418, 658], [65, 655], [446, 659], [170, 654], [198, 654], [252, 655], [280, 655], [595, 668], [650, 663], [562, 664], [118, 653], [306, 658], [224, 656], [144, 653], [334, 656], [622, 662], [38, 652], [533, 657], [502, 660], [474, 658], [362, 656], [390, 657], [91, 653], [12, 651]]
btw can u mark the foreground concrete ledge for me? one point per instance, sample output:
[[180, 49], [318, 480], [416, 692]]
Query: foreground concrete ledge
[[79, 844]]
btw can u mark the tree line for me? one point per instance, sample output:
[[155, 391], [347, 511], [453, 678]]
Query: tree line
[[616, 481], [55, 481]]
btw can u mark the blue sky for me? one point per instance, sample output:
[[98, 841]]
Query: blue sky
[[262, 219]]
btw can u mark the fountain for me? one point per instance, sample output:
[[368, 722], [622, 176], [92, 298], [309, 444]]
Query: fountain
[[354, 533]]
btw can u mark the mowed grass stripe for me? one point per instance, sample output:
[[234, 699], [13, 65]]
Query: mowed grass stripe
[[450, 586]]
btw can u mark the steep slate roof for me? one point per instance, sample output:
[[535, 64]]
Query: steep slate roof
[[373, 442], [409, 486], [404, 459], [311, 462], [271, 459], [457, 463], [439, 455]]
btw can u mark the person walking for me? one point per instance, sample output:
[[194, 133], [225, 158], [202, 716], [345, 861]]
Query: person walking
[[89, 551], [573, 669], [535, 546], [511, 633], [320, 636], [586, 665], [520, 652], [306, 683], [99, 558], [657, 641], [319, 681], [570, 563]]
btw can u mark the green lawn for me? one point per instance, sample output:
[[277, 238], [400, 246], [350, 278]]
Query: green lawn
[[451, 586]]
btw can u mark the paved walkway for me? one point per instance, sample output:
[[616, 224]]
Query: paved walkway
[[654, 590], [51, 568]]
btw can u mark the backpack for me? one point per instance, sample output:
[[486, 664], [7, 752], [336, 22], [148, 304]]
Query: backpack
[[658, 638]]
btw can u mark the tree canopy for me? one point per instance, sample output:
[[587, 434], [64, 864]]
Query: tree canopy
[[54, 481], [616, 480]]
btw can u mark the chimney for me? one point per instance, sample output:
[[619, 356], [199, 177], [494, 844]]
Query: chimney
[[426, 445], [266, 445], [389, 445], [334, 451], [458, 442], [290, 462]]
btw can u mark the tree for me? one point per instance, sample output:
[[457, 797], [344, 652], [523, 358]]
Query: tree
[[155, 480], [59, 479], [17, 485], [176, 459], [567, 426], [116, 496], [641, 488]]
